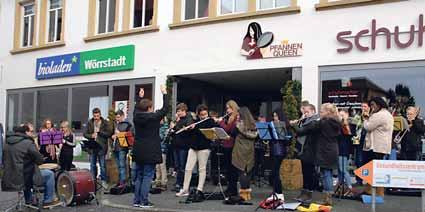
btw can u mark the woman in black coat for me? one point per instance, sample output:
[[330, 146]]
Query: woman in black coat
[[327, 129], [147, 148]]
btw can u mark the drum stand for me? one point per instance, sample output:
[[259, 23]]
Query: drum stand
[[219, 187]]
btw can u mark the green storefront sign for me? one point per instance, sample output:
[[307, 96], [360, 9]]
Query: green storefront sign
[[89, 62], [107, 60]]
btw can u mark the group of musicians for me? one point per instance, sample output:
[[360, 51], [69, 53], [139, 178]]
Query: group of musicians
[[146, 143]]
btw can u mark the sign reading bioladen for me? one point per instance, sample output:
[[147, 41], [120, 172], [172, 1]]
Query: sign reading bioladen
[[89, 62]]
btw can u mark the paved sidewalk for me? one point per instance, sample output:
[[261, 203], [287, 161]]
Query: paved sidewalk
[[169, 203]]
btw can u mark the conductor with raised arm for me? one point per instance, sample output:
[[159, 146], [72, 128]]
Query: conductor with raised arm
[[147, 148]]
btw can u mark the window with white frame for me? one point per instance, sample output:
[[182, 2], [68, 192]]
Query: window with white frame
[[233, 6], [272, 4], [142, 13], [194, 9], [106, 16], [55, 20], [28, 24]]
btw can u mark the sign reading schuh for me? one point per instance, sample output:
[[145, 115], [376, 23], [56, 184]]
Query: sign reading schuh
[[89, 62]]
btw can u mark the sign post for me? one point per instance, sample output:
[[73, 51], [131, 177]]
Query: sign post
[[393, 174]]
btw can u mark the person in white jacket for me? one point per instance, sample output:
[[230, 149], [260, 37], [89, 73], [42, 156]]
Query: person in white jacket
[[379, 126]]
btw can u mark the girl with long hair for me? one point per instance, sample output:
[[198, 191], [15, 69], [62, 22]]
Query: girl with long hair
[[48, 151], [243, 153], [229, 124], [249, 45]]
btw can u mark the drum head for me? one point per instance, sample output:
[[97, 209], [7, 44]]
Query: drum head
[[65, 187], [265, 39], [51, 166]]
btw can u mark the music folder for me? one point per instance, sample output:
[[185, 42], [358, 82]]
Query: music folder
[[215, 133]]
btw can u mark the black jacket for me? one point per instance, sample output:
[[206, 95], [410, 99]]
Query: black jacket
[[147, 147], [412, 140], [183, 139], [104, 134], [21, 159], [199, 141], [326, 132]]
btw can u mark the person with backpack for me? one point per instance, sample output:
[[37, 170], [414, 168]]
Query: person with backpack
[[122, 140]]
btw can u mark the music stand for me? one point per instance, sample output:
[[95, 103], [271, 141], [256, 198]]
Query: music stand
[[216, 134], [264, 135]]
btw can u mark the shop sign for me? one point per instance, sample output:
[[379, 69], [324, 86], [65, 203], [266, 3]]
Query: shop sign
[[345, 37], [394, 174], [258, 45], [345, 98], [89, 62]]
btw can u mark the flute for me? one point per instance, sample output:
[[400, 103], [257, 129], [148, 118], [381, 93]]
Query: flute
[[196, 123]]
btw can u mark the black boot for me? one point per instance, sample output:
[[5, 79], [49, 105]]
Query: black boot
[[199, 196]]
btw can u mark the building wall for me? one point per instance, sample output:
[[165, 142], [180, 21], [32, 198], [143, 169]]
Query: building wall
[[215, 47]]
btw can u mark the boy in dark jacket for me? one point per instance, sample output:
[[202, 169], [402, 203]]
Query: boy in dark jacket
[[120, 145], [181, 142], [147, 148], [98, 132]]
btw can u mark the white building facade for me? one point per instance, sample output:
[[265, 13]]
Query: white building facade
[[338, 49]]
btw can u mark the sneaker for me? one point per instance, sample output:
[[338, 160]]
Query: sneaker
[[51, 204], [182, 193], [136, 205], [147, 205]]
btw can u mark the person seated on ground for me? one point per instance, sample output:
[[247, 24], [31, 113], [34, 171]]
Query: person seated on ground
[[21, 159]]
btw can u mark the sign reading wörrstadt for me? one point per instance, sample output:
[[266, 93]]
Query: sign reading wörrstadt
[[394, 174], [89, 62]]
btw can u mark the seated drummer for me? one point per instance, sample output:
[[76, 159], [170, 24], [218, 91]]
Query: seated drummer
[[21, 159]]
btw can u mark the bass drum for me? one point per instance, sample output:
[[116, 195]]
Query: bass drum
[[75, 186]]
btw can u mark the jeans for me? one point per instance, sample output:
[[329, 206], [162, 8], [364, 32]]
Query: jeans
[[392, 155], [48, 184], [94, 157], [327, 180], [343, 175], [121, 158], [144, 177], [277, 184], [161, 171], [180, 157], [200, 157]]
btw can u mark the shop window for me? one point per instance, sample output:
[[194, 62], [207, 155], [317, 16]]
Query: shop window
[[194, 9], [28, 20], [120, 98], [12, 111], [28, 107], [106, 16], [272, 4], [233, 6], [143, 13], [52, 104], [83, 98], [55, 20], [401, 86]]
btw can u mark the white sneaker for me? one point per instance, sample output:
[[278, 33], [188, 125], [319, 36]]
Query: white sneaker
[[182, 193], [278, 196]]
